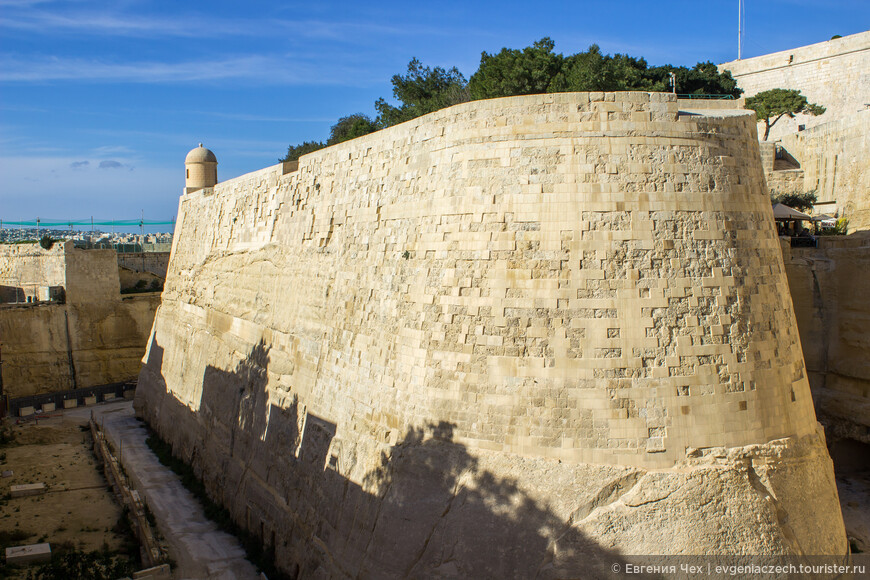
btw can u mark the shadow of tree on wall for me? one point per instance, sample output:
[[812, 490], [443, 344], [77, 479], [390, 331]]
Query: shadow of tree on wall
[[446, 515], [429, 508]]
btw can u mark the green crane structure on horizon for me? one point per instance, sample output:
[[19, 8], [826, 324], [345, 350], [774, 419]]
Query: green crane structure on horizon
[[53, 223]]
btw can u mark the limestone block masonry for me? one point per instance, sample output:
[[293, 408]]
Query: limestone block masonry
[[833, 150], [512, 337], [834, 74], [93, 337], [828, 285], [835, 158]]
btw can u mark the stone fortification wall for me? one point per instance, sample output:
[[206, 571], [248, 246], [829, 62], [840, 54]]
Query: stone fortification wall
[[132, 281], [833, 150], [153, 262], [34, 349], [835, 159], [85, 275], [54, 347], [91, 276], [93, 338], [29, 266], [522, 264], [834, 74], [427, 319], [828, 286]]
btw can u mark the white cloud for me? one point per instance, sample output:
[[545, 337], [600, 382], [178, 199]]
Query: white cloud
[[89, 22], [112, 149], [264, 69], [202, 25]]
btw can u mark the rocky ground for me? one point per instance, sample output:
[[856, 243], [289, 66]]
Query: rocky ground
[[78, 509], [854, 491]]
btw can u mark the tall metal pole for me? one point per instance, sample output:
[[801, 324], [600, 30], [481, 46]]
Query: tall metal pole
[[739, 29]]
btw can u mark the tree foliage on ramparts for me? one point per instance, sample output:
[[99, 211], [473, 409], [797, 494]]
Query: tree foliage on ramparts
[[778, 103], [422, 90], [532, 70]]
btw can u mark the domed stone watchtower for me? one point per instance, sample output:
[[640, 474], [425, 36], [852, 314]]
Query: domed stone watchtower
[[200, 169]]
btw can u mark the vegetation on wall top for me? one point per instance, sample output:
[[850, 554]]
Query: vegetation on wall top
[[46, 241], [532, 70]]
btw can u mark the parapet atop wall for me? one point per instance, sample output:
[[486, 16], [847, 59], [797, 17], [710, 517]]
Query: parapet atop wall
[[591, 277], [835, 74]]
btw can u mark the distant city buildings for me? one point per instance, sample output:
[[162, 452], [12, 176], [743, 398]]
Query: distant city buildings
[[128, 242]]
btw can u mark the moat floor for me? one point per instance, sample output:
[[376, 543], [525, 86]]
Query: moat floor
[[854, 493], [78, 509], [199, 548]]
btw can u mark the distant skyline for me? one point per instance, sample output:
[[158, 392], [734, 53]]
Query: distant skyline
[[100, 102]]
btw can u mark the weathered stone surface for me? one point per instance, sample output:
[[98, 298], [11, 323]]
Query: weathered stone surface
[[828, 286], [832, 153], [92, 337], [835, 159], [480, 344], [831, 73]]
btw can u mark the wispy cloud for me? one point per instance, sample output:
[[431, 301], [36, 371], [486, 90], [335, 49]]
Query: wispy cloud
[[110, 164], [69, 186], [259, 118], [20, 3], [22, 108], [112, 149], [90, 22], [264, 69], [198, 25]]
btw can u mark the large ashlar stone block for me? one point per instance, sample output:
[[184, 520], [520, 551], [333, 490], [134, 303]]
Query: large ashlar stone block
[[28, 554], [480, 344], [26, 489]]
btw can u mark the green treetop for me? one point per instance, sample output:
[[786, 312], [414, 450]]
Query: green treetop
[[422, 90], [351, 127], [294, 152], [516, 72]]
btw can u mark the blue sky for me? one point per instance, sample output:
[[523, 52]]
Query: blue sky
[[100, 101]]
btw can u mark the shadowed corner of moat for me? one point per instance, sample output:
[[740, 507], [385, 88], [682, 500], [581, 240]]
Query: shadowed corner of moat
[[427, 507]]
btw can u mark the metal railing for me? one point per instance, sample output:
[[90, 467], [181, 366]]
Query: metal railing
[[707, 97]]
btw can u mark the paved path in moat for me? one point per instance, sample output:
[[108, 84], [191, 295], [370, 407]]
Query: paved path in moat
[[199, 548]]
